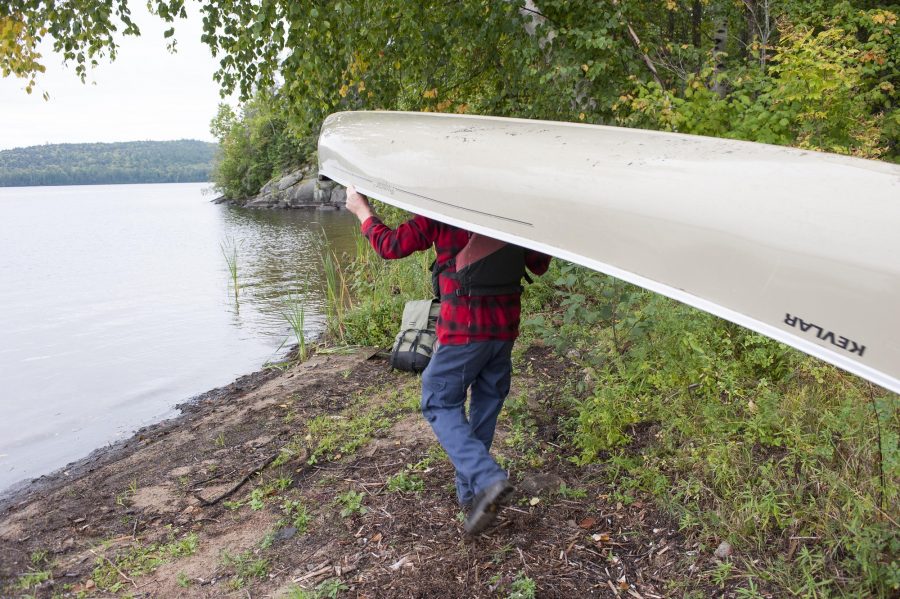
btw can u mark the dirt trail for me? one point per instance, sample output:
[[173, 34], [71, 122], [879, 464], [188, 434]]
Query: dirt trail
[[240, 497]]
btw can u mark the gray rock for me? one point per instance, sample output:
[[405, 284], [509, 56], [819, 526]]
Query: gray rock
[[290, 180], [268, 188], [302, 194], [338, 196], [723, 550], [260, 201], [298, 189], [534, 484], [322, 193], [285, 533]]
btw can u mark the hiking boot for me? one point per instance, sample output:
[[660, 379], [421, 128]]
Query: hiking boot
[[486, 505]]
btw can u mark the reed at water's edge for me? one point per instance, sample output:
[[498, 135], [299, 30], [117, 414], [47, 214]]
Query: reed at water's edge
[[230, 253], [294, 313]]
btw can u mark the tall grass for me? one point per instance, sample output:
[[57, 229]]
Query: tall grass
[[294, 313], [230, 252], [380, 288], [366, 296], [337, 295]]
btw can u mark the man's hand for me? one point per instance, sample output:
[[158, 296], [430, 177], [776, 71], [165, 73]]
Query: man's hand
[[358, 204]]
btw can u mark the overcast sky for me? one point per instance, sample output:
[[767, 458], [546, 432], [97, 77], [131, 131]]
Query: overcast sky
[[147, 93]]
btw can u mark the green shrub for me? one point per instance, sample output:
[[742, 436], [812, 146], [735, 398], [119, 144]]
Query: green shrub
[[752, 440]]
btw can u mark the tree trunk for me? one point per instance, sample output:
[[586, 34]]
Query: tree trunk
[[670, 34], [759, 27], [748, 34], [696, 20], [718, 57]]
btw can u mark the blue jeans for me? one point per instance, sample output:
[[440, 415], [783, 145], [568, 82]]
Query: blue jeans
[[486, 368]]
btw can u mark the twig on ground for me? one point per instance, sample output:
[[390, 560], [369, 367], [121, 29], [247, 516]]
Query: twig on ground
[[240, 483], [515, 509], [314, 573], [213, 477]]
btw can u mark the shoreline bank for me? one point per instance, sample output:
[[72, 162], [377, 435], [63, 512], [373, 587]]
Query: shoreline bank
[[323, 479], [323, 476], [112, 452]]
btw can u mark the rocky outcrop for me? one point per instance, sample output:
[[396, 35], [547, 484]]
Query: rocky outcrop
[[299, 189]]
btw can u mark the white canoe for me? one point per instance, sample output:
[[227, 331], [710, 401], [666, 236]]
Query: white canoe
[[801, 246]]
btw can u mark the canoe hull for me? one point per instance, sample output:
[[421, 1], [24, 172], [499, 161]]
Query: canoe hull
[[800, 246]]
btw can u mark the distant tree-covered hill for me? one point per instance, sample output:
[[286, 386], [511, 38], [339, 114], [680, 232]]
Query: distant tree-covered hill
[[179, 161]]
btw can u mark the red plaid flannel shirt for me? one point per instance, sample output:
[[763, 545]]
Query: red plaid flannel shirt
[[463, 319]]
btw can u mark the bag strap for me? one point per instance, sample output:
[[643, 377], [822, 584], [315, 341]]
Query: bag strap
[[415, 343], [485, 291], [395, 350], [436, 272]]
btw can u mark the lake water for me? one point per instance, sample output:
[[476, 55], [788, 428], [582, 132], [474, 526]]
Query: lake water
[[116, 304]]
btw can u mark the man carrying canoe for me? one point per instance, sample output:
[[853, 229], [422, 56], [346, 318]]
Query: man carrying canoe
[[479, 286]]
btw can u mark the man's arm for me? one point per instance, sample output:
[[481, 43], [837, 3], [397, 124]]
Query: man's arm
[[414, 235]]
